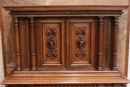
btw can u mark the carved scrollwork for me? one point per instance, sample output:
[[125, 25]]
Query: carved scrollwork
[[51, 32], [51, 43], [52, 54], [80, 31], [81, 54], [80, 43]]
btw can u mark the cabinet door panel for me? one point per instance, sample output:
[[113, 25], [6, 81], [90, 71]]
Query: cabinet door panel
[[82, 43], [52, 43]]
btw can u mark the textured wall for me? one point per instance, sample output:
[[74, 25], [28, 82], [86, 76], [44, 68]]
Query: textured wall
[[129, 67], [9, 41], [122, 41], [1, 63]]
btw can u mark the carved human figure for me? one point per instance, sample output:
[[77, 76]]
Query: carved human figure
[[81, 43], [51, 44]]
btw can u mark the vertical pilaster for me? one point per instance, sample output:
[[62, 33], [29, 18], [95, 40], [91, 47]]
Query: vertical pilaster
[[114, 44], [17, 44], [100, 45], [32, 45]]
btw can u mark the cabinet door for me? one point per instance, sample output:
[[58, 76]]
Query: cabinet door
[[81, 52], [50, 43]]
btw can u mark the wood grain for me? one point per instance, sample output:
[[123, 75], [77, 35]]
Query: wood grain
[[64, 45], [17, 44]]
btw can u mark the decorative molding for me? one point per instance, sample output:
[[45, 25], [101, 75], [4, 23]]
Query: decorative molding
[[96, 85], [88, 85], [68, 12], [107, 43]]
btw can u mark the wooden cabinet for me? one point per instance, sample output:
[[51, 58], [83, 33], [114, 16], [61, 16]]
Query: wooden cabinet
[[66, 46]]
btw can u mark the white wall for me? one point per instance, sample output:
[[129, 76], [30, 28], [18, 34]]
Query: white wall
[[1, 62], [129, 67]]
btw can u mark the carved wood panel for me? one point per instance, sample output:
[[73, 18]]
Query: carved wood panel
[[107, 42], [50, 33], [24, 42], [82, 39]]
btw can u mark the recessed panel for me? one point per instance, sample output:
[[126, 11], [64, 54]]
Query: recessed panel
[[81, 47], [51, 43], [52, 39]]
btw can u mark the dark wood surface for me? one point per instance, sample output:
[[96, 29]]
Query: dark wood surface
[[66, 45], [17, 43]]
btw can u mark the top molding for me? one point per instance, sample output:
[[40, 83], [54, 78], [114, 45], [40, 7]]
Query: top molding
[[65, 7]]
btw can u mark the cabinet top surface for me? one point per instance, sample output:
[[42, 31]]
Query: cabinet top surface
[[65, 7]]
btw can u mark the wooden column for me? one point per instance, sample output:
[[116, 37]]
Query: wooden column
[[17, 45], [32, 45], [114, 43], [100, 45]]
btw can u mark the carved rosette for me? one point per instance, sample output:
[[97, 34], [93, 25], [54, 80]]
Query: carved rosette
[[51, 43], [80, 43]]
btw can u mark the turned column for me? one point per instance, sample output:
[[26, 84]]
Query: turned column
[[100, 45], [114, 43], [17, 44], [32, 45]]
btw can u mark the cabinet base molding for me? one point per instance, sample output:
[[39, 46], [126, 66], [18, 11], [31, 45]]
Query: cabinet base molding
[[89, 85], [65, 77]]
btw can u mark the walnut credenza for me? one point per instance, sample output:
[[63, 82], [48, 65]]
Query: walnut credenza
[[66, 46]]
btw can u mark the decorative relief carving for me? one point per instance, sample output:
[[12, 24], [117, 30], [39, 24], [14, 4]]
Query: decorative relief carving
[[52, 54], [107, 44], [51, 43], [81, 54], [80, 43], [81, 31], [51, 32], [67, 12]]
